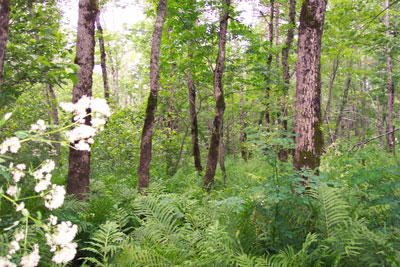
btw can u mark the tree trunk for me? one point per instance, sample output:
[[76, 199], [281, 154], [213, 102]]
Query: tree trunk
[[79, 161], [52, 102], [147, 133], [335, 65], [221, 155], [103, 59], [344, 102], [267, 115], [115, 78], [283, 154], [243, 137], [219, 99], [390, 89], [4, 24], [277, 63], [309, 140], [379, 121], [193, 120], [171, 125]]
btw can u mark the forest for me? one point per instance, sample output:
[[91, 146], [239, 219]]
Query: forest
[[199, 133]]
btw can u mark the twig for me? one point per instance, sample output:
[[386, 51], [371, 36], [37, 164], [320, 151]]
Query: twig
[[373, 138]]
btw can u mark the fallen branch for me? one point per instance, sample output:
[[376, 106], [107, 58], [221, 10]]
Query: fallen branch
[[373, 138]]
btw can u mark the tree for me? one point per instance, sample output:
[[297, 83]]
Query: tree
[[219, 99], [309, 139], [147, 132], [79, 161], [390, 89], [4, 22], [103, 59]]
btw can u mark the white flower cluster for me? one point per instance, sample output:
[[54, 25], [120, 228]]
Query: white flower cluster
[[83, 135], [39, 126], [43, 175], [61, 242], [10, 144], [55, 198], [32, 259]]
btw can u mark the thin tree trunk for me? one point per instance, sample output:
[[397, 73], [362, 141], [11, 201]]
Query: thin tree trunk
[[79, 161], [243, 136], [283, 153], [221, 155], [344, 102], [267, 115], [309, 139], [219, 99], [390, 89], [170, 121], [115, 78], [363, 85], [4, 24], [147, 133], [379, 121], [103, 59], [335, 65], [193, 120], [277, 63], [52, 102], [180, 151]]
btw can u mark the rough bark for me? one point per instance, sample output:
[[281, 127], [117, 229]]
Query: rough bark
[[103, 59], [4, 24], [79, 161], [344, 102], [390, 89], [193, 120], [309, 140], [147, 133], [219, 99], [283, 154], [221, 156]]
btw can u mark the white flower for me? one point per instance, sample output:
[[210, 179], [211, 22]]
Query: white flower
[[38, 126], [14, 247], [38, 174], [68, 107], [17, 175], [82, 145], [55, 198], [32, 259], [6, 263], [53, 219], [66, 254], [12, 190], [81, 132], [19, 236], [90, 140], [100, 105], [82, 105], [20, 167], [64, 234], [11, 144], [42, 185], [7, 116], [20, 207], [96, 122], [48, 166]]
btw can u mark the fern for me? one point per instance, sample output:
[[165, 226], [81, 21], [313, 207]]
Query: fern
[[107, 241]]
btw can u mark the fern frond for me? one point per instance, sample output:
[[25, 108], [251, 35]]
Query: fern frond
[[333, 209], [105, 243]]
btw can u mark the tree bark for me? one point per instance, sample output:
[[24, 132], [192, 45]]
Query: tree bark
[[193, 120], [52, 102], [103, 59], [147, 133], [4, 24], [379, 121], [283, 153], [335, 65], [267, 115], [309, 139], [79, 161], [344, 102], [219, 99], [390, 89]]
